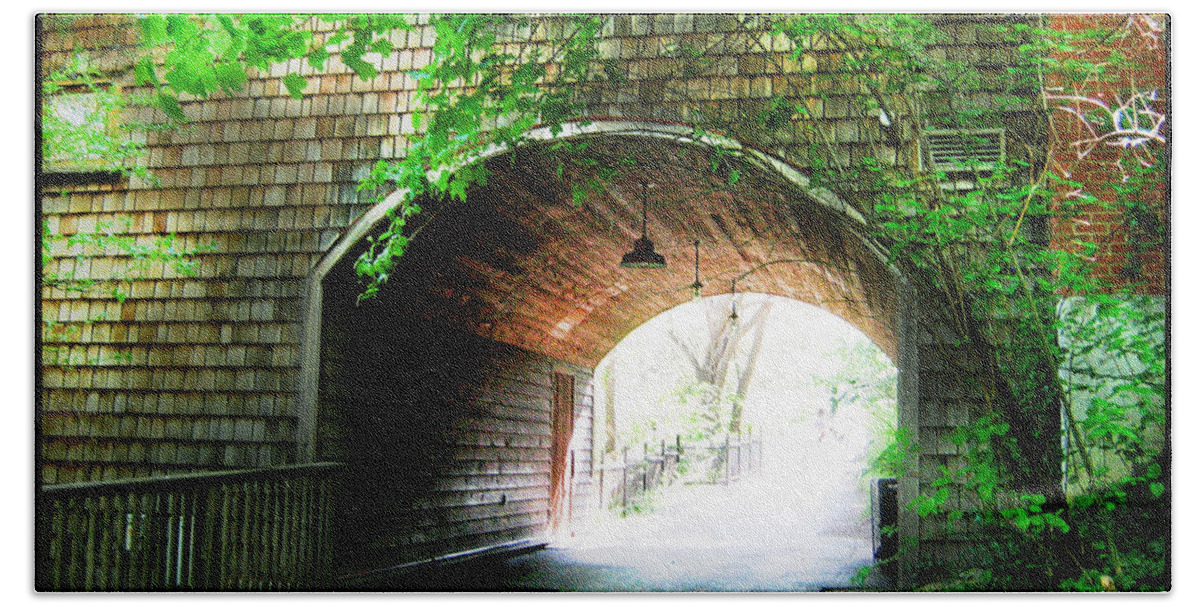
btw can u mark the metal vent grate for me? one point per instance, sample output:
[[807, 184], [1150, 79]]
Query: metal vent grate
[[956, 151]]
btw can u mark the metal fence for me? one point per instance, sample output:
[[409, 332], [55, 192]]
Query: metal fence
[[266, 529], [622, 482]]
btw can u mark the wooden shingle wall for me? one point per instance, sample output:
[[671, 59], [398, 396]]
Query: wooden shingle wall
[[195, 373]]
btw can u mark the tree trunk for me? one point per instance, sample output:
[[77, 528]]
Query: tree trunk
[[712, 359]]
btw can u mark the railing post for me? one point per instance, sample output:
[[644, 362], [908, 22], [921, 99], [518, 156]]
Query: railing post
[[739, 456], [713, 456], [603, 459], [662, 463], [624, 477], [750, 451], [727, 455], [326, 533], [645, 466], [743, 455]]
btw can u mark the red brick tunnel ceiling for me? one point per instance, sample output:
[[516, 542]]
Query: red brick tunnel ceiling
[[521, 263]]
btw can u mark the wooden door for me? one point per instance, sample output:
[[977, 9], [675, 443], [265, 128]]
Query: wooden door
[[562, 426]]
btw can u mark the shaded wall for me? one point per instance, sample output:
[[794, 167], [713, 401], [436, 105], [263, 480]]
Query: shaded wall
[[447, 435]]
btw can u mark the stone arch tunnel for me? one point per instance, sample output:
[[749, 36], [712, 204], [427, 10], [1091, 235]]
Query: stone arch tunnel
[[436, 391]]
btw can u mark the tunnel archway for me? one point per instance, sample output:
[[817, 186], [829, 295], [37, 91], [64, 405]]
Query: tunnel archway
[[505, 296]]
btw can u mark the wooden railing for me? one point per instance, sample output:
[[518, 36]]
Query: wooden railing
[[721, 462], [265, 529], [622, 482]]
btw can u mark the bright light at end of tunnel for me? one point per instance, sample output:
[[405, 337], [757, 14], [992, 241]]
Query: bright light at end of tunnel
[[803, 513]]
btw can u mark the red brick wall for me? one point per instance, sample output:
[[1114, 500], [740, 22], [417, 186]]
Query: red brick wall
[[1127, 248]]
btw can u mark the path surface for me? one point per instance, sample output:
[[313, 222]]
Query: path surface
[[786, 531], [799, 524]]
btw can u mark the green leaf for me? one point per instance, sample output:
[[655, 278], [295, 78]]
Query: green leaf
[[1157, 489], [295, 84], [181, 28], [363, 69], [317, 58], [144, 72], [383, 46], [231, 76], [154, 30], [222, 42], [1022, 520], [1153, 471], [1054, 520], [170, 106]]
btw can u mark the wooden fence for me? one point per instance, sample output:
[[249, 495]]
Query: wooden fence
[[624, 481], [722, 463], [265, 529]]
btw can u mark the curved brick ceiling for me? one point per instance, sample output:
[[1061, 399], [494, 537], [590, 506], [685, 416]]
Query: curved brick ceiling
[[520, 263]]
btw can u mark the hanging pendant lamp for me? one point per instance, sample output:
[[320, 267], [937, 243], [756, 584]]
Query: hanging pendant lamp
[[697, 286], [643, 254]]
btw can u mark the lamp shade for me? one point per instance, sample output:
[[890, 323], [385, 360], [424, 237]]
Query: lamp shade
[[643, 256]]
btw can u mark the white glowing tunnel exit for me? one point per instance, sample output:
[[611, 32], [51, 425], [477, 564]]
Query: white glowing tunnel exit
[[819, 395]]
